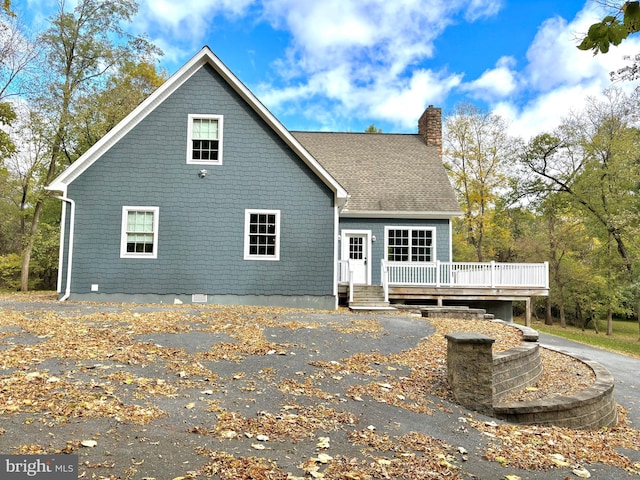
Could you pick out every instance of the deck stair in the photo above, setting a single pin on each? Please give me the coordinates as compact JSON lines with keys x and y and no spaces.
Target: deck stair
{"x":369,"y":297}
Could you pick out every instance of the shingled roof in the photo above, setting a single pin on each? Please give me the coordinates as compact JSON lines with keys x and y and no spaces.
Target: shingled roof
{"x":385,"y":174}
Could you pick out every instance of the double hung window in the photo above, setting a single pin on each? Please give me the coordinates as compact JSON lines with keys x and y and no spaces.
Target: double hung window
{"x":139,"y":236}
{"x":262,"y":235}
{"x":205,"y":139}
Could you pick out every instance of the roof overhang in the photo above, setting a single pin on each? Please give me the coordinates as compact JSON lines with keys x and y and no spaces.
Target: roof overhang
{"x":398,"y":214}
{"x":205,"y":56}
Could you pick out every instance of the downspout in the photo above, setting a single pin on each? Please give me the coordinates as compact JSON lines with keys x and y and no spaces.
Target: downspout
{"x":72,"y":219}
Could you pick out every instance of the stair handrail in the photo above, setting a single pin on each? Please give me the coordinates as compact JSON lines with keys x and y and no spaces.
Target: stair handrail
{"x":350,"y":274}
{"x":384,"y":274}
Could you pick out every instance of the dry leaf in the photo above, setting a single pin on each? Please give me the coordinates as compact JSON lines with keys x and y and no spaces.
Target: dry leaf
{"x":582,"y":472}
{"x":324,"y":458}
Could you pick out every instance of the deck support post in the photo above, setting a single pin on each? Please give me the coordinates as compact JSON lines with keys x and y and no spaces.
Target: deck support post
{"x":527,"y":311}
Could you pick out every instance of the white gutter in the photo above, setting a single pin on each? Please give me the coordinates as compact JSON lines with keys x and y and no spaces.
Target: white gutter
{"x":72,"y":220}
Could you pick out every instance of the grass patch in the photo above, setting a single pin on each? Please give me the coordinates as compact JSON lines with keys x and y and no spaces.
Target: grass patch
{"x":624,"y":339}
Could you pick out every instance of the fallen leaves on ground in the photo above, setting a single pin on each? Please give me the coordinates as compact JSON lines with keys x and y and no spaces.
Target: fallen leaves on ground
{"x":534,"y":447}
{"x":60,"y":366}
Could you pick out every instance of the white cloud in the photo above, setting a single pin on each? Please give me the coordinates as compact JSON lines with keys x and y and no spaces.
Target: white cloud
{"x":558,"y":77}
{"x":184,"y":22}
{"x":497,"y":83}
{"x":544,"y":112}
{"x":356,"y":53}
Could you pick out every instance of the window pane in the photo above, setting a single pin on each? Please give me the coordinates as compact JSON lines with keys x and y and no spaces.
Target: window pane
{"x":140,"y":233}
{"x":205,"y":128}
{"x":204,"y":139}
{"x":262,"y":231}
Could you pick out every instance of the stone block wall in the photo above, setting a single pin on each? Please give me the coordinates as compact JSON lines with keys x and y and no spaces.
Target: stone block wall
{"x":515,"y":369}
{"x":591,"y":408}
{"x":479,"y":381}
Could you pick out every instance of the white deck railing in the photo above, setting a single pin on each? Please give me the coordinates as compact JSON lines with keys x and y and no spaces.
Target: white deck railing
{"x":468,"y":274}
{"x":458,"y":274}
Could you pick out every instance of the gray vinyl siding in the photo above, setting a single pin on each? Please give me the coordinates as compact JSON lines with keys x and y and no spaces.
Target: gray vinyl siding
{"x":201,"y":220}
{"x":377,"y":228}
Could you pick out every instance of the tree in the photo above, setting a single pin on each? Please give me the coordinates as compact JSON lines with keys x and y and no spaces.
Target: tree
{"x":17,"y":53}
{"x":372,"y":129}
{"x":612,"y":29}
{"x":477,"y":150}
{"x":593,"y":160}
{"x":99,"y":112}
{"x":623,"y":21}
{"x":81,"y":48}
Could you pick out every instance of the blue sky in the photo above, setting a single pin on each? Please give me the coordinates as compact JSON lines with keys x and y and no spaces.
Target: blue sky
{"x":343,"y":64}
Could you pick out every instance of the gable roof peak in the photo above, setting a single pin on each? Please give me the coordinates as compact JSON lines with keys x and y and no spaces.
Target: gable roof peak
{"x":204,"y":56}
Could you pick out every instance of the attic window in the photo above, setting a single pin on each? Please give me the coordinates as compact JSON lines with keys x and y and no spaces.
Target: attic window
{"x":204,"y":145}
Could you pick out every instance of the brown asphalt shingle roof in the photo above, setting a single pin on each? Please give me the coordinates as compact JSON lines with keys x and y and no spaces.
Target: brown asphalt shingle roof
{"x":384,"y":172}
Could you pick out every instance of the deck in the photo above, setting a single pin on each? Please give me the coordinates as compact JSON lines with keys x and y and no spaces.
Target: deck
{"x":463,"y":281}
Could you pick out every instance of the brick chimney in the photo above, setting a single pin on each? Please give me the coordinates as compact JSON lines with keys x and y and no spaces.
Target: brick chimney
{"x":430,"y":127}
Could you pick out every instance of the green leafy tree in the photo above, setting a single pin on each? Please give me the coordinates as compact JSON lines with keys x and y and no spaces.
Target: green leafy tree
{"x":99,"y":112}
{"x":477,"y":151}
{"x":612,"y":29}
{"x":373,"y":129}
{"x":593,"y":160}
{"x":82,"y":48}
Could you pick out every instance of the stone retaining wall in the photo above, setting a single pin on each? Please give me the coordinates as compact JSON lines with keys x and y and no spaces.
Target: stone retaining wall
{"x":479,"y":381}
{"x":515,"y":369}
{"x":591,"y":408}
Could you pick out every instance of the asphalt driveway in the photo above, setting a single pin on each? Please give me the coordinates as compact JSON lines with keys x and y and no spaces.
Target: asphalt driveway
{"x":202,"y":392}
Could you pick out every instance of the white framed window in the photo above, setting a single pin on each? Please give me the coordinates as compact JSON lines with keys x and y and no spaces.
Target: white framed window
{"x":410,"y":244}
{"x":204,"y":142}
{"x":139,"y":237}
{"x":262,"y":235}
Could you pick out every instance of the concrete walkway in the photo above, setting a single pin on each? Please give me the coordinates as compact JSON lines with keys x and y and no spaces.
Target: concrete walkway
{"x":625,"y":371}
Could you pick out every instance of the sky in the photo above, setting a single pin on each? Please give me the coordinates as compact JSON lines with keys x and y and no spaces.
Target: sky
{"x":342,"y":65}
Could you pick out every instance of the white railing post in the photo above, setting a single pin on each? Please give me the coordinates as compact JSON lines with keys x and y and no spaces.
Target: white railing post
{"x":437,"y":273}
{"x":384,"y":275}
{"x":493,"y":274}
{"x":350,"y":273}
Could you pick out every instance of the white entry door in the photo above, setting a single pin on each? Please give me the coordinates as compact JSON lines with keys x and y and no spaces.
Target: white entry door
{"x":355,"y":248}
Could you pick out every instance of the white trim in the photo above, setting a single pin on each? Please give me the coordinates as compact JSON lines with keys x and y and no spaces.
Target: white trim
{"x":344,"y":254}
{"x":336,"y":253}
{"x":434,"y":251}
{"x":205,"y":56}
{"x":247,"y":221}
{"x":123,"y":232}
{"x":197,"y":116}
{"x":399,"y":214}
{"x":450,"y":242}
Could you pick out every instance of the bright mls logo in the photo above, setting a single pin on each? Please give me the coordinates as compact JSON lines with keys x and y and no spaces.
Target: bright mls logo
{"x":39,"y":467}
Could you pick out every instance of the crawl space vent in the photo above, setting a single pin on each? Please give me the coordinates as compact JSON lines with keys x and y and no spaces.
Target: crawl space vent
{"x":199,"y":298}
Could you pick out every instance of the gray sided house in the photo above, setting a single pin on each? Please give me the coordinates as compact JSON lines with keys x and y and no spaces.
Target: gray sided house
{"x":202,"y":195}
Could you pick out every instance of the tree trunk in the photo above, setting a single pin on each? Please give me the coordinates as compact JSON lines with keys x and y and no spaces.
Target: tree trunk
{"x":609,"y":321}
{"x":548,"y":318}
{"x":28,"y":248}
{"x":563,"y":319}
